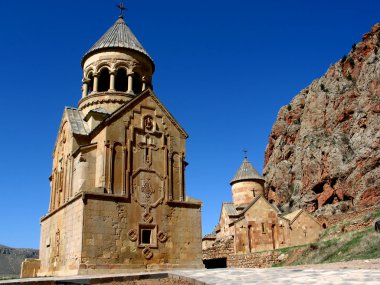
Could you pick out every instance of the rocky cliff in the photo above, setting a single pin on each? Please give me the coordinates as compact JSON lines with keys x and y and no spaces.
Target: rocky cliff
{"x":324,"y":149}
{"x":11,"y":259}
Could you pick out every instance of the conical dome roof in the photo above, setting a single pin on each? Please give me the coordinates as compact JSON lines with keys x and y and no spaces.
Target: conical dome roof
{"x":118,"y":36}
{"x":246,"y":172}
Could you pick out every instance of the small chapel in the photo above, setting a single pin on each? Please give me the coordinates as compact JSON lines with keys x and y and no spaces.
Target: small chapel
{"x":118,"y":199}
{"x":250,"y":223}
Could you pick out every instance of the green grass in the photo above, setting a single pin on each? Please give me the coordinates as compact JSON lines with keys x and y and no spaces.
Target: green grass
{"x":350,"y":246}
{"x":7,"y":277}
{"x":335,"y":244}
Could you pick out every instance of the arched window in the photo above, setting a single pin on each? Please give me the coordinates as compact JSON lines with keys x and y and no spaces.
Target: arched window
{"x":121,"y":80}
{"x":137,"y":83}
{"x":90,"y":83}
{"x":104,"y":80}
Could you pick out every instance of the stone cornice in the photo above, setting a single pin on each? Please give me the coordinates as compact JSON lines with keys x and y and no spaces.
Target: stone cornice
{"x":104,"y":97}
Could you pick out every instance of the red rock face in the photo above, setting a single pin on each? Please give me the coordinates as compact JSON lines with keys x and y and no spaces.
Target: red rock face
{"x":323,"y":153}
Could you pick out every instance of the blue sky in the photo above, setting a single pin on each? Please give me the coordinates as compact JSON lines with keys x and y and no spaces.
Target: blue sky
{"x":223,"y":69}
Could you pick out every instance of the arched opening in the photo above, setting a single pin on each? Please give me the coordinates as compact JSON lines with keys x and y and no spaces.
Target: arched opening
{"x":121,"y":80}
{"x":104,"y":80}
{"x":137,"y":83}
{"x":90,"y":83}
{"x":215,"y":263}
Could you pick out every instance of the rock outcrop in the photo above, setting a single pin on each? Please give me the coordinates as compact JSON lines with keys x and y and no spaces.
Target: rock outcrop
{"x":324,"y":149}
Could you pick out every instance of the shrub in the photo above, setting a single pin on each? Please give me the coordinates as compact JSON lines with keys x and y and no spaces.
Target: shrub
{"x":323,"y":88}
{"x":349,"y":76}
{"x":313,"y":246}
{"x":353,"y":46}
{"x":367,"y":218}
{"x":344,"y":58}
{"x":289,"y":107}
{"x":351,"y":61}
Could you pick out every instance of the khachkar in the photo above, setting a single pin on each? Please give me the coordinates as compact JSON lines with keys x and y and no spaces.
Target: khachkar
{"x":118,"y":200}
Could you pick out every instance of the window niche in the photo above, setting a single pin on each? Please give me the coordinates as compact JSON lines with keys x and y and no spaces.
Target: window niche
{"x":121,"y":81}
{"x":90,"y":83}
{"x":147,"y":235}
{"x":137,"y":83}
{"x":104,"y":80}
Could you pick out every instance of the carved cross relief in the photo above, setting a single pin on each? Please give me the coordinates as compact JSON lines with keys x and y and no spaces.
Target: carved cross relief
{"x":148,"y":146}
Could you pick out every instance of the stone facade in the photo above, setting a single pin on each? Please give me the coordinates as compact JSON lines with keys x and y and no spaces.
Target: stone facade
{"x":252,"y":224}
{"x":118,"y":201}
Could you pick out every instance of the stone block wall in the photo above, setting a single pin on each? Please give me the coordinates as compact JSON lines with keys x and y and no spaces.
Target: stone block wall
{"x":61,"y":240}
{"x":253,"y":260}
{"x":225,"y":249}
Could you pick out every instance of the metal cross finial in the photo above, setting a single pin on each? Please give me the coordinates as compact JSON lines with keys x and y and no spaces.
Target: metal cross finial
{"x":245,"y":153}
{"x":122,"y":8}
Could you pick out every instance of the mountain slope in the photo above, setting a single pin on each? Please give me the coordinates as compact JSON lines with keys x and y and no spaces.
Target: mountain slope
{"x":11,"y":259}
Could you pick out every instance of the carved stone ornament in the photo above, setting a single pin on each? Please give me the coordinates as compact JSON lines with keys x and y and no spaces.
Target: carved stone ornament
{"x":147,"y":218}
{"x":147,"y":188}
{"x":132,"y":235}
{"x":162,"y":237}
{"x":148,"y":123}
{"x":148,"y":254}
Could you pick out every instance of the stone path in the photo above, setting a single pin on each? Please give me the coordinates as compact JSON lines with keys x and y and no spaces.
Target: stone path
{"x":230,"y":276}
{"x":283,"y":276}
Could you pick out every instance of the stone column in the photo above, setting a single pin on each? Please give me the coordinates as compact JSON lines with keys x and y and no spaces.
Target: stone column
{"x":112,"y":80}
{"x":181,"y":176}
{"x":124,"y":170}
{"x":105,"y":161}
{"x":51,"y":207}
{"x":96,"y":82}
{"x":84,"y":88}
{"x":130,"y":84}
{"x":170,"y":175}
{"x":110,"y":168}
{"x":143,"y":83}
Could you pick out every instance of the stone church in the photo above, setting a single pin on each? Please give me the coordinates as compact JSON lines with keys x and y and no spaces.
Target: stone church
{"x":118,"y":199}
{"x":253,"y":223}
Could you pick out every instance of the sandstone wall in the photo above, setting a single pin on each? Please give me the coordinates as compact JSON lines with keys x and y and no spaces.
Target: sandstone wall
{"x":61,"y":240}
{"x":113,"y":232}
{"x":304,"y":230}
{"x":254,"y":260}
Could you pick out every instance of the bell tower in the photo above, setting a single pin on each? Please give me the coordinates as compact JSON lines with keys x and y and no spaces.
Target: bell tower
{"x":115,"y":69}
{"x":246,"y":184}
{"x":118,"y":199}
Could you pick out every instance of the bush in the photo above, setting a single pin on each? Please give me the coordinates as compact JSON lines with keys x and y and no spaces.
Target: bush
{"x":353,"y":46}
{"x":344,"y":58}
{"x":323,"y":88}
{"x":349,"y":76}
{"x":289,"y":107}
{"x":313,"y":246}
{"x":351,"y":61}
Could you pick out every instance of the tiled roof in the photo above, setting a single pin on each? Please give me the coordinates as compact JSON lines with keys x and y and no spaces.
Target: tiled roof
{"x":246,"y":172}
{"x":78,"y":125}
{"x":118,"y":36}
{"x":100,"y":110}
{"x":210,"y":236}
{"x":230,"y":209}
{"x":291,"y":216}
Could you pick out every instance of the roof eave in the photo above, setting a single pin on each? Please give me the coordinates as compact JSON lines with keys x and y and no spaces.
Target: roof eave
{"x":100,"y":50}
